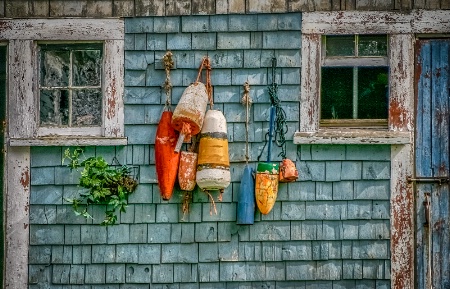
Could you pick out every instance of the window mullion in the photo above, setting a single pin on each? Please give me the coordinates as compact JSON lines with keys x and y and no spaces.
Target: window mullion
{"x":355,"y":92}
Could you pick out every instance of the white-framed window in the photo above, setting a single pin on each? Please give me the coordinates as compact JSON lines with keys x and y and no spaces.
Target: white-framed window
{"x":66,"y":81}
{"x":354,"y":80}
{"x":357,"y":78}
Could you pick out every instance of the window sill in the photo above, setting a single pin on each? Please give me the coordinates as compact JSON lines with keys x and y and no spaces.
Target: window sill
{"x":353,"y":136}
{"x":68,"y":141}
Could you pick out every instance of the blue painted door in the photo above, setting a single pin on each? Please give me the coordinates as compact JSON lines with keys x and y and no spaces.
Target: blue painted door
{"x":432,"y":164}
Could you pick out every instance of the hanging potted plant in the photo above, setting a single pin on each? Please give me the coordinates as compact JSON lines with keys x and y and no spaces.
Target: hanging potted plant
{"x":106,"y":185}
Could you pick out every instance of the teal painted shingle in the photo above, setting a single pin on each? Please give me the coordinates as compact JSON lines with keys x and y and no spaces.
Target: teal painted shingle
{"x":138,"y":25}
{"x":185,"y":273}
{"x":179,"y":253}
{"x":149,"y":254}
{"x":127,"y":253}
{"x":103,"y":253}
{"x":242,"y":23}
{"x":162,"y":273}
{"x":95,"y":274}
{"x":138,"y":273}
{"x":204,"y":41}
{"x":195,"y":23}
{"x":46,"y":234}
{"x":167,"y":24}
{"x":46,"y":195}
{"x":156,"y":41}
{"x":115,"y":273}
{"x":282,"y":40}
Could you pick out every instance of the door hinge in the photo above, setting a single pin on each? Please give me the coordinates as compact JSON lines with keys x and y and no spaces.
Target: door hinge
{"x":439,"y":180}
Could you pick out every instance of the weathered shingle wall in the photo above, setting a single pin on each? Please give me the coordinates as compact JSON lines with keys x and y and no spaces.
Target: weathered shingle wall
{"x":330,"y":229}
{"x":127,"y":8}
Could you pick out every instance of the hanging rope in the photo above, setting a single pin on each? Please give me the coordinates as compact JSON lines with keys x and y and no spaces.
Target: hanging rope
{"x":168,"y":65}
{"x":280,"y":125}
{"x":247,"y":101}
{"x":206,"y":64}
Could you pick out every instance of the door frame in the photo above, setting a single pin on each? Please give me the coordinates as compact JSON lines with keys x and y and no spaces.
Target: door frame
{"x":3,"y":103}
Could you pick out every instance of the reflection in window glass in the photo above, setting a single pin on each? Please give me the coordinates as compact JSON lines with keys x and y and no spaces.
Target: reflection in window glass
{"x":373,"y":94}
{"x":86,"y":68}
{"x":372,"y":45}
{"x":86,"y":106}
{"x":70,"y":85}
{"x":340,"y":45}
{"x":54,"y":107}
{"x":337,"y":92}
{"x":55,"y":68}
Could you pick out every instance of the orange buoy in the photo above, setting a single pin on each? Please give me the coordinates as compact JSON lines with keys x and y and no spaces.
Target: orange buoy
{"x":213,"y":166}
{"x":187,"y":170}
{"x":266,"y":186}
{"x":166,"y":158}
{"x":288,"y":171}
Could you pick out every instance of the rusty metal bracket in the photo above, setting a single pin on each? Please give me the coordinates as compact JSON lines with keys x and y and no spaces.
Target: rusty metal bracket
{"x":439,"y":180}
{"x":426,"y":204}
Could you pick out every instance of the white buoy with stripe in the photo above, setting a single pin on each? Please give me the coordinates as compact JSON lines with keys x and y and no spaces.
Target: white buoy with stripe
{"x":213,"y":166}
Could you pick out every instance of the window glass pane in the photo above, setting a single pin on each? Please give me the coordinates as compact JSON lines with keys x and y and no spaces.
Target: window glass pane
{"x":55,"y":68}
{"x":336,"y":92}
{"x":86,"y":68}
{"x":340,"y":45}
{"x":373,"y":96}
{"x":372,"y":45}
{"x":54,"y":107}
{"x":87,"y":107}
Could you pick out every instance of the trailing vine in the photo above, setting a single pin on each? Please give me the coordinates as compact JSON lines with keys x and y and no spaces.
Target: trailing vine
{"x":107,"y":185}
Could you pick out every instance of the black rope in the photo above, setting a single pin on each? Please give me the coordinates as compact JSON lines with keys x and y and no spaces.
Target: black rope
{"x":280,"y":125}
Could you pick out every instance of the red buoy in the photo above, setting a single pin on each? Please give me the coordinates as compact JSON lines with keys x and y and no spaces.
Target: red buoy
{"x":166,"y":158}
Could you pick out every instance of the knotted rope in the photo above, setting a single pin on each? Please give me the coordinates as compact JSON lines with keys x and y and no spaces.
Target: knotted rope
{"x":168,"y":65}
{"x":247,"y":101}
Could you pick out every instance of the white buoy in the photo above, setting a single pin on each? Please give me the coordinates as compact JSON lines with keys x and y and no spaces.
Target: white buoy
{"x":213,"y":166}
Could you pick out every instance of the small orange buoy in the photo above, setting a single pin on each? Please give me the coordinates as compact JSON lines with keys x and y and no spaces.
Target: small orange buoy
{"x":266,"y":186}
{"x":187,"y":170}
{"x":288,"y":171}
{"x":166,"y":159}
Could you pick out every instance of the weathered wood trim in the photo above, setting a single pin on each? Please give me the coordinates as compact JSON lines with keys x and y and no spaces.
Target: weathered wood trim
{"x":352,"y":136}
{"x":402,"y":218}
{"x":22,"y":109}
{"x":376,"y":22}
{"x":113,"y":88}
{"x":62,"y":29}
{"x":427,"y":21}
{"x":354,"y":22}
{"x":401,"y":111}
{"x":68,"y":141}
{"x":310,"y":83}
{"x":401,"y":82}
{"x":17,"y":217}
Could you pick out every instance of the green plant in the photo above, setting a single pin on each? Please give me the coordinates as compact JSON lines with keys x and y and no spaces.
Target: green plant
{"x":106,"y":185}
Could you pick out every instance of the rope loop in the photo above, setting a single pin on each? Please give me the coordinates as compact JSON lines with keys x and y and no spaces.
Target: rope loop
{"x":206,"y":64}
